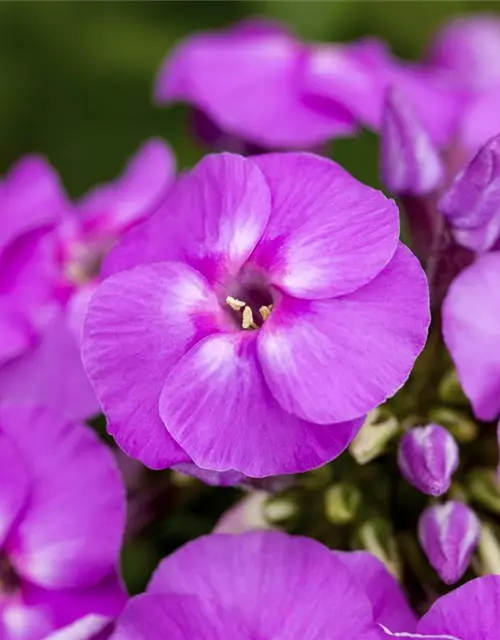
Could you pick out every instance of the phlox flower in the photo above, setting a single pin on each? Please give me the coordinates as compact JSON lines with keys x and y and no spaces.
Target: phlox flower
{"x":250,"y":323}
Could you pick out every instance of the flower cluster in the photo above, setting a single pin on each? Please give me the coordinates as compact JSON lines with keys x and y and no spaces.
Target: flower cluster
{"x":242,"y":324}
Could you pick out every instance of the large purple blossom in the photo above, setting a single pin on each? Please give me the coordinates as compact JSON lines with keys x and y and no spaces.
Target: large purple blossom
{"x":50,"y":251}
{"x":471,"y":612}
{"x":265,"y":585}
{"x":255,"y":318}
{"x":62,"y":516}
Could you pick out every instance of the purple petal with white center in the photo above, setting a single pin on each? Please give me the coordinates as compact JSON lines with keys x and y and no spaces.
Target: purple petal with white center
{"x":332,"y":360}
{"x":469,"y":48}
{"x":410,"y":161}
{"x":427,"y":457}
{"x":328,"y":234}
{"x":279,"y":586}
{"x":176,"y":617}
{"x":31,"y":197}
{"x":472,"y":202}
{"x":472,"y":333}
{"x":139,"y":324}
{"x":258,"y":94}
{"x":212,"y":218}
{"x":390,"y":607}
{"x":76,"y":491}
{"x":449,"y":533}
{"x":218,"y":407}
{"x":471,"y":612}
{"x":15,"y":484}
{"x":113,"y":207}
{"x":51,"y":374}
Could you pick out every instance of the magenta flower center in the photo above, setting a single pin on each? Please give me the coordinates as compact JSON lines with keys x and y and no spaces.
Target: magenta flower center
{"x":9,"y":581}
{"x":251,"y":307}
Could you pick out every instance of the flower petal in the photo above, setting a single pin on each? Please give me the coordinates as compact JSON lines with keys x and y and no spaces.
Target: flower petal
{"x":77,"y":490}
{"x":389,"y":604}
{"x":217,"y":406}
{"x":471,"y":612}
{"x":279,"y":586}
{"x":91,"y":627}
{"x":332,"y":360}
{"x":139,"y":324}
{"x":176,"y":617}
{"x":112,"y":207}
{"x":212,"y":218}
{"x":51,"y":374}
{"x":328,"y":234}
{"x":471,"y":332}
{"x":15,"y":484}
{"x":257,"y":95}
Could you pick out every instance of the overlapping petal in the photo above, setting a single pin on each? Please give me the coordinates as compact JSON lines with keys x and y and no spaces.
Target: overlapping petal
{"x":217,"y":406}
{"x":139,"y":324}
{"x":333,"y":360}
{"x":212,"y":218}
{"x":328,"y":234}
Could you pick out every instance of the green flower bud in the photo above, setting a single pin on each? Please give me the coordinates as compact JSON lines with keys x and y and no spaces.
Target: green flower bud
{"x":379,"y":428}
{"x":484,"y":489}
{"x":450,"y":390}
{"x":459,"y":425}
{"x":489,"y":550}
{"x":341,"y":503}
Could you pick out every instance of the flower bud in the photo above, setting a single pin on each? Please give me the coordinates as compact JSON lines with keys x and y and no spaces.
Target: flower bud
{"x":341,"y":503}
{"x":489,"y":551}
{"x":410,"y":162}
{"x":428,"y":457}
{"x":379,"y":428}
{"x":448,"y":534}
{"x":472,"y":203}
{"x":246,"y":515}
{"x":375,"y":535}
{"x":463,"y":429}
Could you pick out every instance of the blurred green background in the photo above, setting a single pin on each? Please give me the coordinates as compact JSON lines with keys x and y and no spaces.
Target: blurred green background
{"x":77,"y":77}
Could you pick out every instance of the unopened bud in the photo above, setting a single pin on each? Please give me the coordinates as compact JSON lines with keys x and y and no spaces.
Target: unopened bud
{"x":341,"y":503}
{"x":246,"y":515}
{"x":410,"y":162}
{"x":448,"y":534}
{"x":450,"y":389}
{"x":376,"y":537}
{"x":489,"y":551}
{"x":279,"y":510}
{"x":428,"y":457}
{"x":379,"y":428}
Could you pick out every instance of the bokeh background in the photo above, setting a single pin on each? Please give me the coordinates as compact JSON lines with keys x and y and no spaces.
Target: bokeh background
{"x":76,"y":81}
{"x":76,"y":77}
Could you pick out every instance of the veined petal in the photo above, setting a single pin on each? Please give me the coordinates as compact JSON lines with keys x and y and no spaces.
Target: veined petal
{"x":217,"y":406}
{"x":332,"y":360}
{"x":328,"y":234}
{"x":279,"y":586}
{"x":212,"y":218}
{"x":139,"y":324}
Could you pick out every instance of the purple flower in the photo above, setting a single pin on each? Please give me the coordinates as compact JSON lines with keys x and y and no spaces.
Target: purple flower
{"x":472,"y":334}
{"x":255,"y":318}
{"x":60,"y":493}
{"x":469,"y":49}
{"x":248,"y":81}
{"x":50,"y":252}
{"x":260,"y":585}
{"x":472,"y":202}
{"x":471,"y":612}
{"x":448,"y":534}
{"x":427,"y":457}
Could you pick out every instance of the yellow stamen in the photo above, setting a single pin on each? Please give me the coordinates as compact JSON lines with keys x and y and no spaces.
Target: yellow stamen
{"x":247,"y":319}
{"x":234,"y":303}
{"x":265,"y":312}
